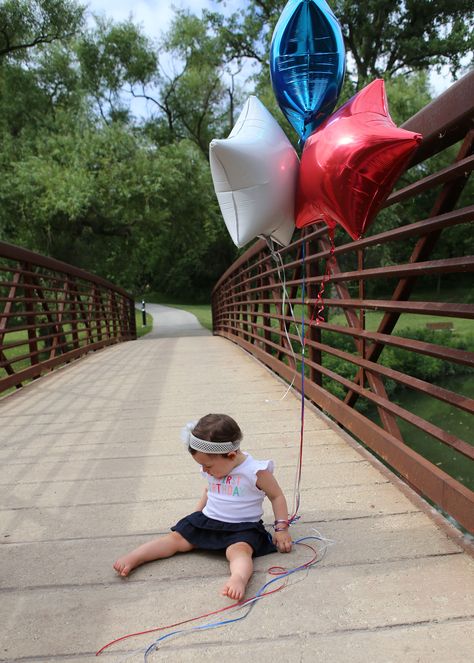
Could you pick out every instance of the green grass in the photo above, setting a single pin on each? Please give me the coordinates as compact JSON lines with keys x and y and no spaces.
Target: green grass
{"x":461,"y":326}
{"x":14,"y":337}
{"x":141,"y":330}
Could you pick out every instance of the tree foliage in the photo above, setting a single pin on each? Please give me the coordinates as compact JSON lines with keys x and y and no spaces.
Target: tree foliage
{"x":382,"y":37}
{"x":114,"y":58}
{"x":104,"y":134}
{"x":86,"y":181}
{"x":394,"y":37}
{"x":29,"y":23}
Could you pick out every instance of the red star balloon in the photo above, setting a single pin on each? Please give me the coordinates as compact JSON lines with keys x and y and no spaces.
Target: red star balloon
{"x":351,"y":163}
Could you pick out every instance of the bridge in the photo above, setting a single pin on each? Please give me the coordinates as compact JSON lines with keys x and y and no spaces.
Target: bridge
{"x":92,"y":464}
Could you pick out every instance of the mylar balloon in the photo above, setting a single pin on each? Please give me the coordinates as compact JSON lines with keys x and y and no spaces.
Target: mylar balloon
{"x":307,"y":62}
{"x":351,"y":163}
{"x":255,"y":171}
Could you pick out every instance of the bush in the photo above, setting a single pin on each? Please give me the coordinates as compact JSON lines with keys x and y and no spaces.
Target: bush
{"x":423,"y":366}
{"x":414,"y":364}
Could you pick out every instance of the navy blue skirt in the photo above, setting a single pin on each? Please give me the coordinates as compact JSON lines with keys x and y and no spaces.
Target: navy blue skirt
{"x":209,"y":534}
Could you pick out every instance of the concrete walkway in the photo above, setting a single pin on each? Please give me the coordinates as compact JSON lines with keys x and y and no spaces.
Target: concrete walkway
{"x":168,"y":321}
{"x":92,"y":465}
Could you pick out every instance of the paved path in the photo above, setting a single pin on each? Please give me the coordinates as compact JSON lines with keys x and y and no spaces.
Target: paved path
{"x":92,"y":465}
{"x":168,"y":321}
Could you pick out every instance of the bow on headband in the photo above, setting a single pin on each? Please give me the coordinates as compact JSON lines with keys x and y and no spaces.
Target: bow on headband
{"x":205,"y":446}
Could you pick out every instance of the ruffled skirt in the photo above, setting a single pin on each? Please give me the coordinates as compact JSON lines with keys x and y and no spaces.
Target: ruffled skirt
{"x":209,"y":534}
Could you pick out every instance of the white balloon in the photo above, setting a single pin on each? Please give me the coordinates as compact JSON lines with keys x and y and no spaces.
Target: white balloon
{"x":255,"y":171}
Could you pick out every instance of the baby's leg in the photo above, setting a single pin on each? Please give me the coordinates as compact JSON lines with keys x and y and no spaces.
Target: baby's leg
{"x":241,"y":569}
{"x":165,"y":546}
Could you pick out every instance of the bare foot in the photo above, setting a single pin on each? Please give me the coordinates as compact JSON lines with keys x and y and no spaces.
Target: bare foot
{"x":234,"y":588}
{"x":125,"y":564}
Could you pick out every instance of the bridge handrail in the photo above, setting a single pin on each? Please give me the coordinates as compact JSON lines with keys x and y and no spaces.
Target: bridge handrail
{"x":52,"y":313}
{"x":250,"y":309}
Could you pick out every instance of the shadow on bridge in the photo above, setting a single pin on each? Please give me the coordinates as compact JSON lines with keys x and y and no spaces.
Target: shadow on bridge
{"x":92,"y":465}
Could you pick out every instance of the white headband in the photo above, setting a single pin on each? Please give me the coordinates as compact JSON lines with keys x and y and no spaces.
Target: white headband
{"x":205,"y":446}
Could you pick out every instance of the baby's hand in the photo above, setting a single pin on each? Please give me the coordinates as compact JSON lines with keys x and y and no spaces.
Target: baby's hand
{"x":282,"y":540}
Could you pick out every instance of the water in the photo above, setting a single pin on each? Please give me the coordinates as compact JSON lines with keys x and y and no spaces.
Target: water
{"x":451,"y":419}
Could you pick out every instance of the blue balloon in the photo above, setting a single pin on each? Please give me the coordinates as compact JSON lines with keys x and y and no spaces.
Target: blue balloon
{"x":307,"y":63}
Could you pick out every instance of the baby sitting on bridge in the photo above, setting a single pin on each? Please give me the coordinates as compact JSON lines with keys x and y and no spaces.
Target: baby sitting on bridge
{"x":228,"y":515}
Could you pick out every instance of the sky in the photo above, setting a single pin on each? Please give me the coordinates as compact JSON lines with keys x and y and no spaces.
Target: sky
{"x":155,"y":17}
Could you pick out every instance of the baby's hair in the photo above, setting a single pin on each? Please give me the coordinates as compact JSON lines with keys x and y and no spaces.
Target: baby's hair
{"x":217,"y":428}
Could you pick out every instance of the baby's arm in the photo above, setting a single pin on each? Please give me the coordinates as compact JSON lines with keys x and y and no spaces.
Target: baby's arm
{"x":202,"y":502}
{"x":270,"y":486}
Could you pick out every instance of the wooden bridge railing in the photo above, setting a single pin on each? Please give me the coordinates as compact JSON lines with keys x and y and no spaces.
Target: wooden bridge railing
{"x":347,"y":374}
{"x":52,"y":313}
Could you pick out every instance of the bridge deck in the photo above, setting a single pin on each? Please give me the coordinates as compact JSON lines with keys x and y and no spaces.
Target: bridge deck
{"x":92,"y":465}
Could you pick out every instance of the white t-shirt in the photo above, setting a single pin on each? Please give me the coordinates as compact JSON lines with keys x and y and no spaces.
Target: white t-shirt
{"x":236,"y":498}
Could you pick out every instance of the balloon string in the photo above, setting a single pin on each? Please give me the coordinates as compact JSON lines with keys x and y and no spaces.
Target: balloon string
{"x":238,"y":604}
{"x":297,"y":486}
{"x":279,"y":572}
{"x":317,"y":316}
{"x":286,"y":300}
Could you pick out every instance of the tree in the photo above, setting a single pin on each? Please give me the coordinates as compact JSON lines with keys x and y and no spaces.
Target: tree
{"x":188,"y":248}
{"x":193,"y":97}
{"x":26,"y":24}
{"x":114,"y":60}
{"x":382,"y":37}
{"x":84,"y":181}
{"x":391,"y":37}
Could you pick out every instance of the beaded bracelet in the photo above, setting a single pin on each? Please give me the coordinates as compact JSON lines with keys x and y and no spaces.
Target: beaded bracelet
{"x":281,"y":522}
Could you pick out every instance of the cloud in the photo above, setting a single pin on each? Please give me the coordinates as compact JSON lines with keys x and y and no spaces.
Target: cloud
{"x":154,"y":15}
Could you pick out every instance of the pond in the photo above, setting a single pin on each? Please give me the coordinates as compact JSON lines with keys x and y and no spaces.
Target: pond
{"x":453,"y":420}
